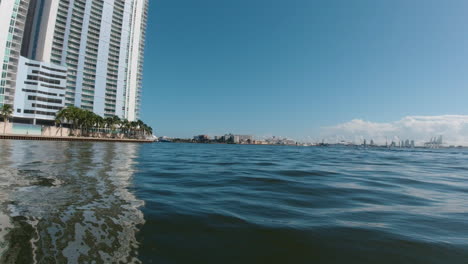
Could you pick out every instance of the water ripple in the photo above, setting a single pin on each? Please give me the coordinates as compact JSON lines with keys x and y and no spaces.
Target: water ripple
{"x":191,"y":203}
{"x":263,"y":204}
{"x":68,"y":203}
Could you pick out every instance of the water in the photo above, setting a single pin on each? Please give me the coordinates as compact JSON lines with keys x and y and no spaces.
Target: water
{"x":188,"y":203}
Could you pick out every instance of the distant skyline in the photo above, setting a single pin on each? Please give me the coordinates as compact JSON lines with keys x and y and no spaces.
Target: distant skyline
{"x":297,"y":68}
{"x":453,"y":129}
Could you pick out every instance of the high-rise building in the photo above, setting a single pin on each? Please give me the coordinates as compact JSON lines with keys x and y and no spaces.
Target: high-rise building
{"x":13,"y":14}
{"x":98,"y":43}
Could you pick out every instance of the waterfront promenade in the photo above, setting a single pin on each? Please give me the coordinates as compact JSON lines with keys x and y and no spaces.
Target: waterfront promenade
{"x":14,"y":131}
{"x":70,"y":138}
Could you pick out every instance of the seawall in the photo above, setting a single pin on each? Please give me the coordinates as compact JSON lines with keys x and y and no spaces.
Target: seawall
{"x":69,"y":138}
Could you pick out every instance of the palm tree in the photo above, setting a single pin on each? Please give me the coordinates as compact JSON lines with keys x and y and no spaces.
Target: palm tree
{"x":5,"y":112}
{"x":61,"y":117}
{"x":141,"y":125}
{"x":73,"y":117}
{"x":125,"y":126}
{"x":117,"y":123}
{"x":100,"y":123}
{"x":145,"y":130}
{"x":87,"y":121}
{"x":133,"y":127}
{"x":109,"y":122}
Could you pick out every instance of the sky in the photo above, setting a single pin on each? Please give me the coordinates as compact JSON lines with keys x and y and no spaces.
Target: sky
{"x":305,"y":69}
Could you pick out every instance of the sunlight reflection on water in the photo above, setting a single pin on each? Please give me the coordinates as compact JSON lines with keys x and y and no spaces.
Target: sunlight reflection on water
{"x":69,"y":201}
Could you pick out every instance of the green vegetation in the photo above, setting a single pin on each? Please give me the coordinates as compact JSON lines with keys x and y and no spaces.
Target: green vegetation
{"x":92,"y":125}
{"x":5,"y":112}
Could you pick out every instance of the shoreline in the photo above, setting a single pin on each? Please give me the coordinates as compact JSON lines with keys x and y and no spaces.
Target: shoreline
{"x":319,"y":145}
{"x":83,"y":139}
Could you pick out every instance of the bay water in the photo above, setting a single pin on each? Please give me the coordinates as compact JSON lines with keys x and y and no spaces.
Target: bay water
{"x":82,"y":202}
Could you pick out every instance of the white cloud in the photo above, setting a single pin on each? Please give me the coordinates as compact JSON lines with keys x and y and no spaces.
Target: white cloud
{"x":454,"y":129}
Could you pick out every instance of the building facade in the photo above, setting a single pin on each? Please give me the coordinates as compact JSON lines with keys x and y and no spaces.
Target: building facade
{"x":13,"y":14}
{"x":40,"y":90}
{"x":100,"y":44}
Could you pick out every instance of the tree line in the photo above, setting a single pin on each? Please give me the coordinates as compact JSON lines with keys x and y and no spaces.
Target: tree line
{"x":89,"y":123}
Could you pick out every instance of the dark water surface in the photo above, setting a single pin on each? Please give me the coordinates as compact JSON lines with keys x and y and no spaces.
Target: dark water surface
{"x":68,"y":202}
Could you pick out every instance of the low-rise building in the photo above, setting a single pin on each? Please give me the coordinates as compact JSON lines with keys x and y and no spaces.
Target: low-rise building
{"x":201,"y":138}
{"x":40,"y":90}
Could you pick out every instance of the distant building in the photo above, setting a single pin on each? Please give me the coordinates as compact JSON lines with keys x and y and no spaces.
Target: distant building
{"x":435,"y":142}
{"x":228,"y":138}
{"x":236,"y":139}
{"x":280,"y":141}
{"x":244,"y":138}
{"x":201,"y":138}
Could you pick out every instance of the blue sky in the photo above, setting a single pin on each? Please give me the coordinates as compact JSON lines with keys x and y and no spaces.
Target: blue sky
{"x":289,"y":68}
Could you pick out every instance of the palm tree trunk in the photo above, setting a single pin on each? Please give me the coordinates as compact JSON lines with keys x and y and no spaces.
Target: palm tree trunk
{"x":5,"y":120}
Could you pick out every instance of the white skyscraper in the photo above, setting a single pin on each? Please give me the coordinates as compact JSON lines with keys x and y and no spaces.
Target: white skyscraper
{"x":13,"y":16}
{"x":98,"y":43}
